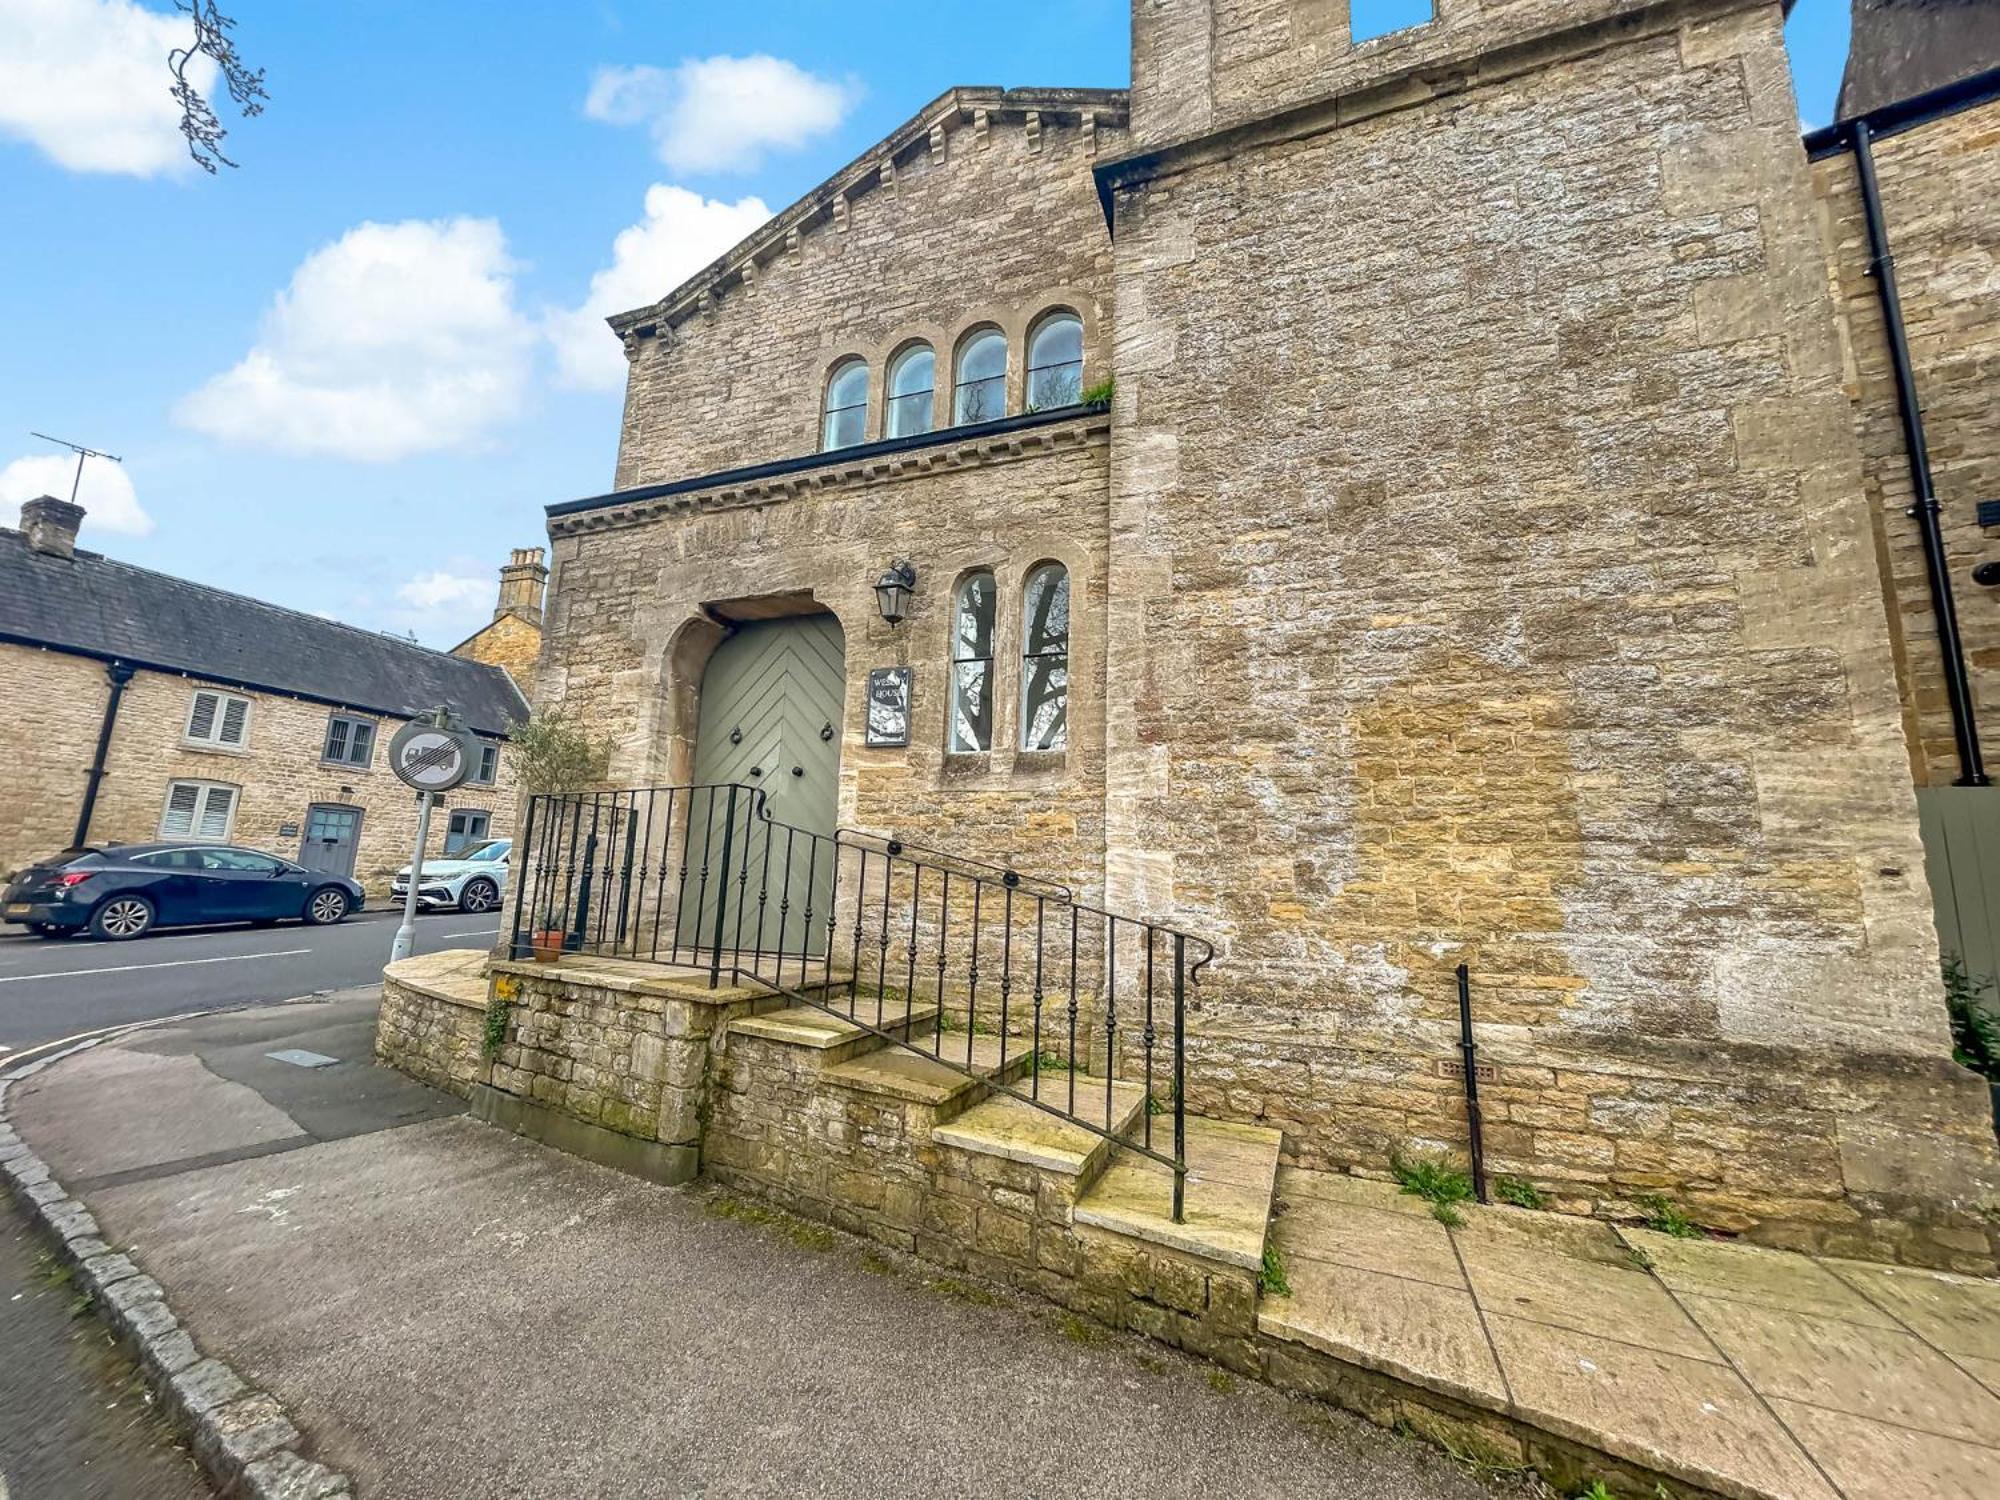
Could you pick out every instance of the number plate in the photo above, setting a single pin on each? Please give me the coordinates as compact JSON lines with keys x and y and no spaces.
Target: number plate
{"x":17,"y":908}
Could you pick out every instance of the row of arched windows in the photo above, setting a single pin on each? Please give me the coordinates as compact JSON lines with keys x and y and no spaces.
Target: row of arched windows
{"x":1044,"y":661}
{"x":978,"y":382}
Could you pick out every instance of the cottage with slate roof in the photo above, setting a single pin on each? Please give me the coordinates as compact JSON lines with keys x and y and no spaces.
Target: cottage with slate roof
{"x":142,"y":706}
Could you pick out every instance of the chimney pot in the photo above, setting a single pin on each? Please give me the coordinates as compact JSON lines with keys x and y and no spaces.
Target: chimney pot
{"x":51,"y":525}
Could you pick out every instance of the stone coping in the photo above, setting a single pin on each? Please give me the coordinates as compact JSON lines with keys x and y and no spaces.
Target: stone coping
{"x":455,"y":976}
{"x":1752,"y":1373}
{"x":631,"y":977}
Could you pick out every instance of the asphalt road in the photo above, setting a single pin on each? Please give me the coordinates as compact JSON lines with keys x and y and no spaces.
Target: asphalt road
{"x":51,"y":989}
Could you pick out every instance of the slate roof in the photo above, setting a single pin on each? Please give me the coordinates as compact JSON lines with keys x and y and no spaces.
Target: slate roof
{"x":1903,"y":48}
{"x":94,"y":606}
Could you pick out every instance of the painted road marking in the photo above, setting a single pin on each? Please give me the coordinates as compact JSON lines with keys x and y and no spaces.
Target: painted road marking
{"x":178,"y":963}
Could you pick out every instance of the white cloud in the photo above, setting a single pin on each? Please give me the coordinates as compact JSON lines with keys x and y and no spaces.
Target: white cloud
{"x":106,"y":494}
{"x":442,"y":606}
{"x":440,"y":590}
{"x":87,"y":82}
{"x":395,"y":339}
{"x":720,"y":114}
{"x":681,"y":233}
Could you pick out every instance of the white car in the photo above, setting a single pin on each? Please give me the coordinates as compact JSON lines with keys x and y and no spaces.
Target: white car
{"x":475,"y":881}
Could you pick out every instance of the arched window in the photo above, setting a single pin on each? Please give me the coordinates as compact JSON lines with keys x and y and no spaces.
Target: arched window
{"x":1055,"y":362}
{"x":971,"y":725}
{"x":980,"y":391}
{"x":846,"y":406}
{"x":912,"y":380}
{"x":1045,"y":659}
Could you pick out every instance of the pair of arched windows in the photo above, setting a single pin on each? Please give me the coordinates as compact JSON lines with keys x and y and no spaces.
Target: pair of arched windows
{"x":1044,"y":661}
{"x":979,"y":383}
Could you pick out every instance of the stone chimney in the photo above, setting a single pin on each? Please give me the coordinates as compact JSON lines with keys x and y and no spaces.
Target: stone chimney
{"x":51,"y":525}
{"x":521,"y":583}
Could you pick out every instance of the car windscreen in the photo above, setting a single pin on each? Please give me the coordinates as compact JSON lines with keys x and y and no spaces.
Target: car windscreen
{"x":491,"y":850}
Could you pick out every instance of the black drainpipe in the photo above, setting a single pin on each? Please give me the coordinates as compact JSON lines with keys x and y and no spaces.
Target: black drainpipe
{"x":119,"y":674}
{"x":1971,"y":766}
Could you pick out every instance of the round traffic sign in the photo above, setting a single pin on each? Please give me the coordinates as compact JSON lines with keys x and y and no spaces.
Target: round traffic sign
{"x":429,"y":758}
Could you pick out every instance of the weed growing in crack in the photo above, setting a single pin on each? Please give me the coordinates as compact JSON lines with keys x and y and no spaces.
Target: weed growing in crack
{"x":1520,"y":1193}
{"x":1440,"y":1183}
{"x":1664,"y":1216}
{"x":1271,"y":1275}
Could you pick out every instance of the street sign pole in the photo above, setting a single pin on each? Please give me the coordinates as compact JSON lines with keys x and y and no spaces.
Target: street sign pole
{"x":406,"y":935}
{"x":433,"y":756}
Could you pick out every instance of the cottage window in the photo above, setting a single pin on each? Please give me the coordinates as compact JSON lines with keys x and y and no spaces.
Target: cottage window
{"x":1055,"y":362}
{"x":912,"y":387}
{"x":198,"y":809}
{"x":218,"y":719}
{"x":1045,"y":659}
{"x":971,"y":722}
{"x":487,"y":767}
{"x":980,"y":389}
{"x":846,"y":406}
{"x":349,"y":741}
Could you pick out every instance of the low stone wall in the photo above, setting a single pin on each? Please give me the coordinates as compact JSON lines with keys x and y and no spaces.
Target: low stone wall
{"x":433,"y":1019}
{"x":1882,"y":1158}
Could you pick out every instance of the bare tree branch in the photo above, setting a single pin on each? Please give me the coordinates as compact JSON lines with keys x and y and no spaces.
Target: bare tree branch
{"x":199,"y":123}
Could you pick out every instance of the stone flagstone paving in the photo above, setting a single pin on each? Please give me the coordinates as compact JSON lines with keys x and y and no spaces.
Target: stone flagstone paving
{"x":1750,"y":1372}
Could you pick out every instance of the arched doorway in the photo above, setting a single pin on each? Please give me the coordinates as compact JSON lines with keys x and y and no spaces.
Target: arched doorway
{"x":772,"y":700}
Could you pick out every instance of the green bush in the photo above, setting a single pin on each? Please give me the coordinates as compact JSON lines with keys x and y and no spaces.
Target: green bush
{"x":1975,"y":1034}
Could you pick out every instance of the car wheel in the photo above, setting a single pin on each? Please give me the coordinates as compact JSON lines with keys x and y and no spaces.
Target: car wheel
{"x":479,"y":895}
{"x":122,"y":917}
{"x":326,"y":906}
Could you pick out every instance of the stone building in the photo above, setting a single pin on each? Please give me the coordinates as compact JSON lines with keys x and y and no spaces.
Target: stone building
{"x":143,"y":706}
{"x":1381,"y":504}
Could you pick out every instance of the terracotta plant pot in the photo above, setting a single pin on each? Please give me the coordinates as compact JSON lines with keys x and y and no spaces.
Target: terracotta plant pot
{"x":547,"y":944}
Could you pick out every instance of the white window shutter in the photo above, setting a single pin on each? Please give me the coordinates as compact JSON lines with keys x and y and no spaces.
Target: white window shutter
{"x":201,"y":718}
{"x":235,"y":718}
{"x":215,"y":812}
{"x":181,"y":800}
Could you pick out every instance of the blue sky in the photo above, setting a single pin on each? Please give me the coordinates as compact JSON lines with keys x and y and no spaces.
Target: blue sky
{"x":347,"y":376}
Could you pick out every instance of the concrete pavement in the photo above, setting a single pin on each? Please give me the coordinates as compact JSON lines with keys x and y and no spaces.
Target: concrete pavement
{"x":445,"y":1309}
{"x":50,"y":990}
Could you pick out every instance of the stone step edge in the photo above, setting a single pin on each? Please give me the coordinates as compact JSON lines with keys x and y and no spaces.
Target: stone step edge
{"x":846,"y":1075}
{"x":1085,"y":1172}
{"x":240,"y":1435}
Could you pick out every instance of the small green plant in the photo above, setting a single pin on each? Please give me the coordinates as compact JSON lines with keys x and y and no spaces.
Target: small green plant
{"x":1975,"y":1034}
{"x":807,"y":1236}
{"x":1101,"y":393}
{"x":1448,"y":1215}
{"x":1439,"y":1182}
{"x":1223,"y":1382}
{"x":1596,"y":1491}
{"x":494,"y":1036}
{"x":1519,"y":1193}
{"x":1271,"y":1276}
{"x":1050,"y":1062}
{"x":1664,"y":1216}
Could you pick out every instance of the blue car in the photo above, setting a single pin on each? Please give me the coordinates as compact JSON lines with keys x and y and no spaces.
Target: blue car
{"x":126,"y":890}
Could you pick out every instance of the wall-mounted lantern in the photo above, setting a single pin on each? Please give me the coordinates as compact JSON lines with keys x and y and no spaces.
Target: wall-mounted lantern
{"x":892,"y":592}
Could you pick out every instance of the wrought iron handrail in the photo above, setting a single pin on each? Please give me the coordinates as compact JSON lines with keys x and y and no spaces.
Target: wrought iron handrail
{"x":664,"y":875}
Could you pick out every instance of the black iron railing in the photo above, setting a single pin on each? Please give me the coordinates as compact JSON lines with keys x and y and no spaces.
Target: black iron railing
{"x":1068,"y":1007}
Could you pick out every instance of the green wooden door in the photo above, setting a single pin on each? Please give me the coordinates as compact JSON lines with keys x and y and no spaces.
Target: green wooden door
{"x":771,"y":704}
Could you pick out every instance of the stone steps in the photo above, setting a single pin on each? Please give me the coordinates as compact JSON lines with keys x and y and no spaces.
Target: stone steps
{"x":1017,"y":1131}
{"x":1232,"y":1177}
{"x":834,"y":1038}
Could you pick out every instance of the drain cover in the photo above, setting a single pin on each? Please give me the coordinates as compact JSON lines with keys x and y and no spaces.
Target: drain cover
{"x":299,"y":1058}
